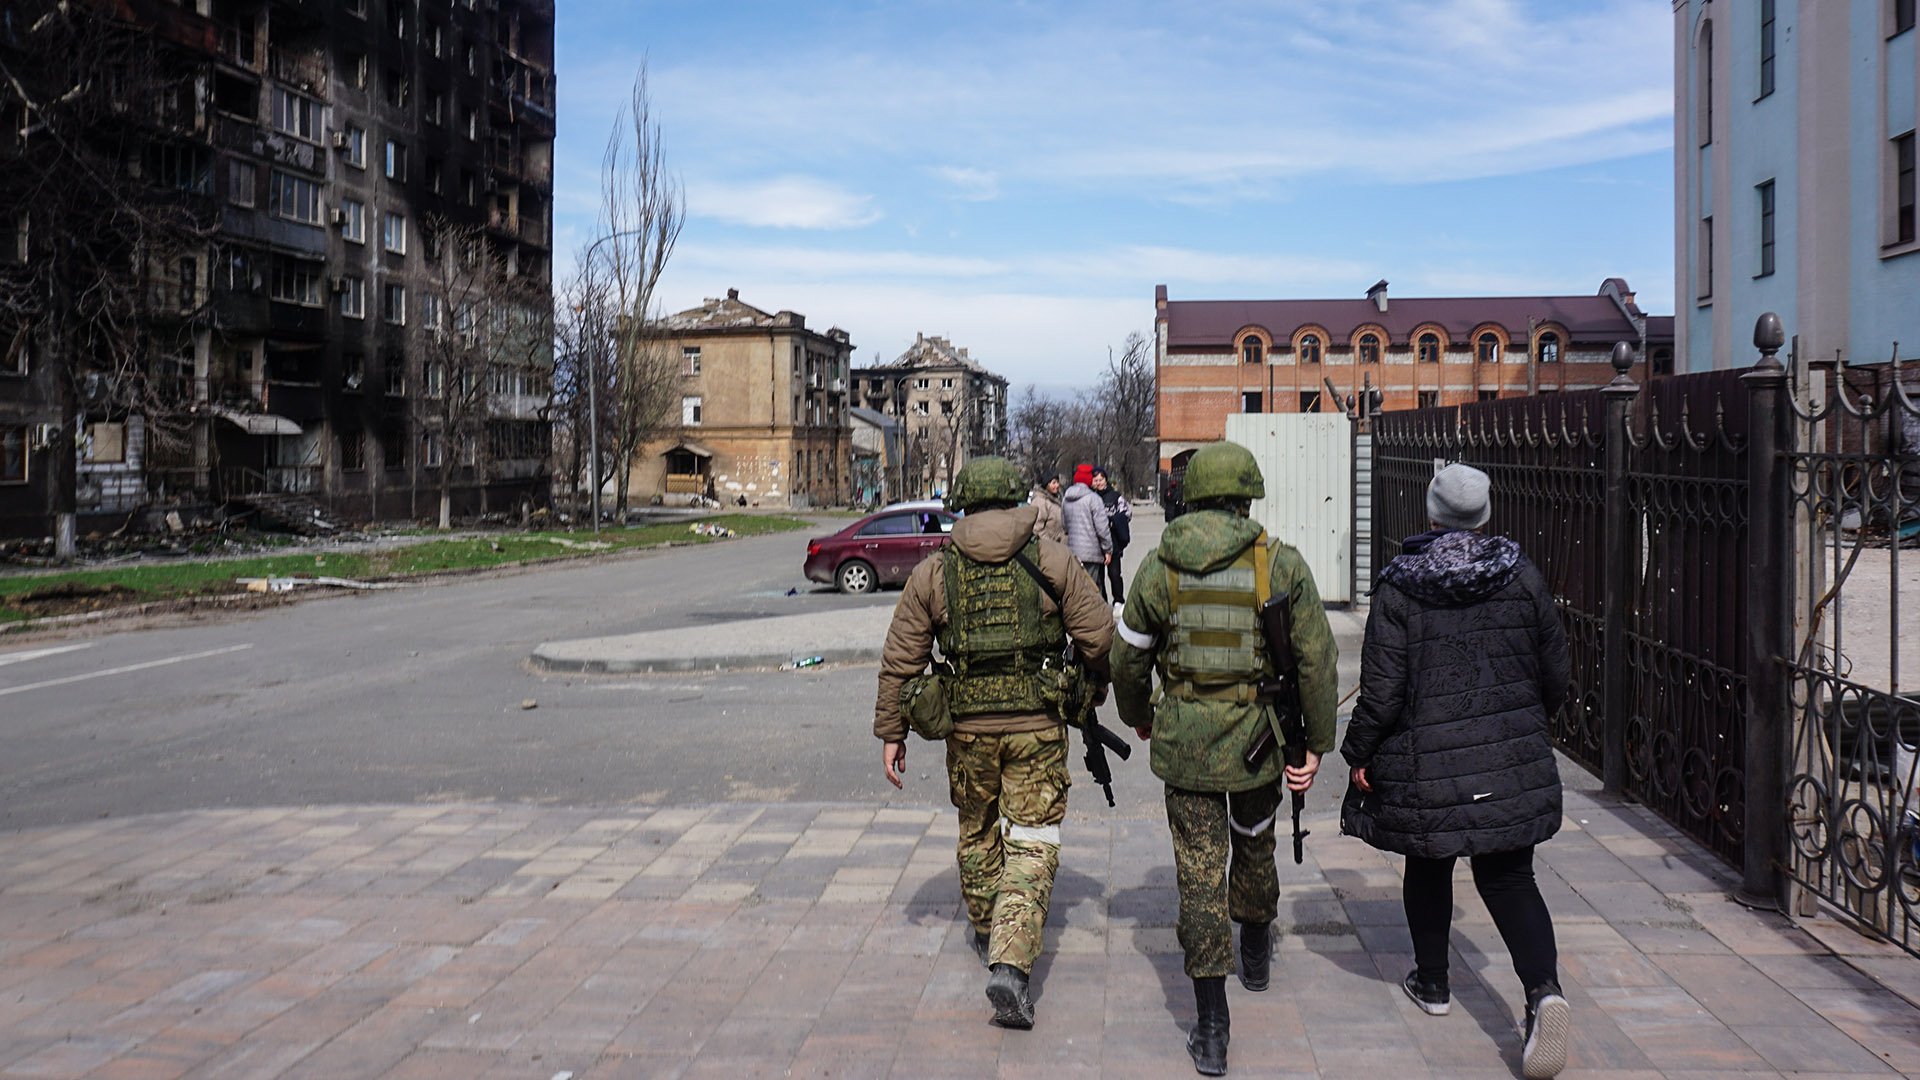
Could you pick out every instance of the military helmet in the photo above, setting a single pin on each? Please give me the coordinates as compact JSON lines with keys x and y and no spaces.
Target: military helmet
{"x":986,"y":480}
{"x":1223,"y":470}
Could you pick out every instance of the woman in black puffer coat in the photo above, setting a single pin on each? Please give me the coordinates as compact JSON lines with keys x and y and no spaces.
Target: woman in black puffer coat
{"x":1464,"y":662}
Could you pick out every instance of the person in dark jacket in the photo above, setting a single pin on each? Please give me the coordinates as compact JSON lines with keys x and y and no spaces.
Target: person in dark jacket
{"x":1119,"y":525}
{"x":1465,"y":661}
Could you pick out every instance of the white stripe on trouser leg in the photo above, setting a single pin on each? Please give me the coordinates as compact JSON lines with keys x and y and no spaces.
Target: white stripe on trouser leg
{"x":1034,"y":834}
{"x":1256,"y":828}
{"x":1133,"y":637}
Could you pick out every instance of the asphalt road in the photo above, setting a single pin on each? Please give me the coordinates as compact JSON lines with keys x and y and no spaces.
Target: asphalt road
{"x":416,"y":695}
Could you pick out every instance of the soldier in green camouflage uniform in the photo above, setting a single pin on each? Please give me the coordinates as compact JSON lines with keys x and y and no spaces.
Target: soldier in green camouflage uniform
{"x":1192,"y":615}
{"x":1001,"y":637}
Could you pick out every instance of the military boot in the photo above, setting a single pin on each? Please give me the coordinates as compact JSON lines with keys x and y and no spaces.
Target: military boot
{"x":1207,"y":1042}
{"x":981,"y":940}
{"x":1256,"y":955}
{"x":1007,"y":989}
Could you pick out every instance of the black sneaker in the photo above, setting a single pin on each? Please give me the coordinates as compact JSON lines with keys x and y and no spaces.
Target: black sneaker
{"x":980,"y":942}
{"x":1549,"y":1022}
{"x":1430,"y":995}
{"x":1007,"y":989}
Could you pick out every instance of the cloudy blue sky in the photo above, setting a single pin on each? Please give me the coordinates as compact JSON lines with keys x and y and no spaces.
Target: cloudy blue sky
{"x":1019,"y":176}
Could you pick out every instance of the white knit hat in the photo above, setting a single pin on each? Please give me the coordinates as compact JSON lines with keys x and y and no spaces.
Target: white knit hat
{"x":1457,"y":497}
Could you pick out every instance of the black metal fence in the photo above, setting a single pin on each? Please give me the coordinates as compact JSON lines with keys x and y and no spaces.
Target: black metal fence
{"x":1853,"y":486}
{"x":1700,"y":558}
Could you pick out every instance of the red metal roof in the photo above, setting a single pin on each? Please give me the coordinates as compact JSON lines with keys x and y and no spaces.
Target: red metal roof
{"x":1215,"y":323}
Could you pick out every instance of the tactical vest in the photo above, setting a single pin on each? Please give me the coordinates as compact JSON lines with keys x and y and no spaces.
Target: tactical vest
{"x":1215,"y":651}
{"x":999,"y":639}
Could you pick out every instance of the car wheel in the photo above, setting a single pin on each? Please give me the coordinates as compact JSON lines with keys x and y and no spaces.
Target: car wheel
{"x":855,"y":576}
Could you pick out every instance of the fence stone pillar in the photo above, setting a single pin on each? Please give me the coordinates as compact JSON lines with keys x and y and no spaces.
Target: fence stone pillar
{"x":1621,"y":535}
{"x":1769,"y":598}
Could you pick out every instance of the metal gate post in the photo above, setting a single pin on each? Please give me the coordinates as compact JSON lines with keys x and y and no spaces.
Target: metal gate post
{"x":1769,"y":622}
{"x":1620,"y":537}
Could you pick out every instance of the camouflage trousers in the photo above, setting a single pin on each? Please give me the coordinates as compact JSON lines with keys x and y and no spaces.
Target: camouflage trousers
{"x":1007,"y":879}
{"x":1223,"y":864}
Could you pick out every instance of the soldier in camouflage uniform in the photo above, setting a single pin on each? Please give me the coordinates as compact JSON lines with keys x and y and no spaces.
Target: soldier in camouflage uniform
{"x":1192,"y":614}
{"x":1001,"y":638}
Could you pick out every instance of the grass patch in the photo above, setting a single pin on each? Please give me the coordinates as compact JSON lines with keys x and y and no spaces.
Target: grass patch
{"x":23,"y":597}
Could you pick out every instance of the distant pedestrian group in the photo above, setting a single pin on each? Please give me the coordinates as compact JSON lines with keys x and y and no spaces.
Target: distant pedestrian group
{"x":1448,"y":752}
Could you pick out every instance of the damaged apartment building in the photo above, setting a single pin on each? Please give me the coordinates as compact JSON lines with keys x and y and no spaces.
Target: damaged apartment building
{"x":271,"y":253}
{"x":953,"y":410}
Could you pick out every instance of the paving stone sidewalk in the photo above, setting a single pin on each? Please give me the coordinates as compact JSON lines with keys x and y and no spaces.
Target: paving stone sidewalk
{"x":824,"y":941}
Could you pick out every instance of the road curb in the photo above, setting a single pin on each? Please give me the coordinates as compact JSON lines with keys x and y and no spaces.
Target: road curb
{"x":641,"y":665}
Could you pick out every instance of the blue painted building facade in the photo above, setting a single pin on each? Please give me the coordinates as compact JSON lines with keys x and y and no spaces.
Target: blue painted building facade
{"x":1794,"y":177}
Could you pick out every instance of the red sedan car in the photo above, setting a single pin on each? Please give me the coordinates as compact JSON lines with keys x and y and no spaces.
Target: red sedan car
{"x":879,"y":549}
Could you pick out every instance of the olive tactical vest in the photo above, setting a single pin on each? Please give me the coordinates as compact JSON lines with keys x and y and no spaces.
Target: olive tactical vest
{"x":999,"y":637}
{"x":1214,"y":647}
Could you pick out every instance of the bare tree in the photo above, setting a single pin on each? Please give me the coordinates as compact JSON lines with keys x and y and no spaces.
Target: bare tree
{"x":105,"y":217}
{"x":583,"y":340}
{"x":641,"y":212}
{"x":1127,"y":399}
{"x":484,"y":331}
{"x":1106,"y":426}
{"x":1038,"y":433}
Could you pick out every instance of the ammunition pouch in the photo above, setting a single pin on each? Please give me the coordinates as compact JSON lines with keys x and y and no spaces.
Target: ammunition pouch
{"x":923,"y":703}
{"x":1062,"y":687}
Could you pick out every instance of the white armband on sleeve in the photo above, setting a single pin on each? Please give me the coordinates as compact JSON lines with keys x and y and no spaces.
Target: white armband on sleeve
{"x":1133,"y":637}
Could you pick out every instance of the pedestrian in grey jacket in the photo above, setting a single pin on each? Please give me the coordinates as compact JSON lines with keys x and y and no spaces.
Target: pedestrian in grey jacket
{"x":1088,"y":534}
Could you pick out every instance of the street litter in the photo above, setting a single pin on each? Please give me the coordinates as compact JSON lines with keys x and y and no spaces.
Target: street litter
{"x":529,"y":703}
{"x":707,"y":528}
{"x":808,"y":662}
{"x":579,"y":545}
{"x":287,"y":584}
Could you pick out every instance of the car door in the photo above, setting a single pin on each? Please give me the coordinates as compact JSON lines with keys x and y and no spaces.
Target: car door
{"x":935,"y":528}
{"x":891,"y":542}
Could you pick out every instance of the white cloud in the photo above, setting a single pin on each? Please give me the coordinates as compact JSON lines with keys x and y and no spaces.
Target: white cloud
{"x":971,"y":185}
{"x":1399,"y":90}
{"x":817,"y":264}
{"x":783,"y":202}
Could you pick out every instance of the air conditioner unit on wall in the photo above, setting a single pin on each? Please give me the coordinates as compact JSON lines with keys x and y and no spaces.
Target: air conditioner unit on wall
{"x":339,"y":140}
{"x":339,"y":283}
{"x":337,"y":216}
{"x":44,"y":436}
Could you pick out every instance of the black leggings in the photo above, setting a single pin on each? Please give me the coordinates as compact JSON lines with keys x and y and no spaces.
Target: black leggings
{"x":1505,"y":881}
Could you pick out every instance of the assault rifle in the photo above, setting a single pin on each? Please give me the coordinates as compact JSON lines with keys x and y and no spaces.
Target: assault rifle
{"x":1095,"y":737}
{"x":1077,"y":706}
{"x":1282,"y":695}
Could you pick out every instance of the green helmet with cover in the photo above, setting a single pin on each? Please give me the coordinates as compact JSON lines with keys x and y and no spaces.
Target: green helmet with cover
{"x":986,"y":480}
{"x":1223,"y":470}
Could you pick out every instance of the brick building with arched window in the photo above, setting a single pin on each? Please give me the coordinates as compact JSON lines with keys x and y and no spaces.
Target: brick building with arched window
{"x":1215,"y":357}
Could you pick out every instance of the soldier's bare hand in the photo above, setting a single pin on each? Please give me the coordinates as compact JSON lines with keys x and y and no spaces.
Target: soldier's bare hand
{"x":1145,"y":733}
{"x":1359,"y":779}
{"x":893,"y":756}
{"x":1300,"y":778}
